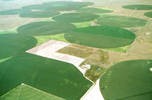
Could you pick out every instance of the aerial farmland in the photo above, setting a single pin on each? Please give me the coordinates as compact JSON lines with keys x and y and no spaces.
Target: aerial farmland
{"x":75,"y":49}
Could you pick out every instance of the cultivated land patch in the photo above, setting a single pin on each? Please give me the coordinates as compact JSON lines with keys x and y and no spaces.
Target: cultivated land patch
{"x":95,"y":60}
{"x":94,"y":10}
{"x":44,"y":38}
{"x":44,"y":28}
{"x":138,"y":7}
{"x":120,"y":21}
{"x":49,"y":49}
{"x":65,"y":5}
{"x":77,"y":50}
{"x":37,"y":13}
{"x":128,"y":80}
{"x":148,"y":14}
{"x":41,"y":74}
{"x":9,"y":12}
{"x":46,"y":10}
{"x":16,"y":66}
{"x":54,"y":50}
{"x":75,"y":17}
{"x":14,"y":44}
{"x":26,"y":92}
{"x":55,"y":77}
{"x":101,"y":36}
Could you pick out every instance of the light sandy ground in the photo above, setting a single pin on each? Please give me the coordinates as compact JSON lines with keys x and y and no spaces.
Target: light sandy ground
{"x":93,"y":93}
{"x":141,"y":48}
{"x":49,"y":50}
{"x":8,"y":22}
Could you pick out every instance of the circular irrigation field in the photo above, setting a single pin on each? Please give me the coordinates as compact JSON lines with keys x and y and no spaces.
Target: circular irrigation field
{"x":46,"y":10}
{"x":128,"y":80}
{"x":101,"y":36}
{"x":120,"y":21}
{"x":94,"y":10}
{"x":75,"y":17}
{"x":148,"y":14}
{"x":44,"y":28}
{"x":138,"y":7}
{"x":37,"y":13}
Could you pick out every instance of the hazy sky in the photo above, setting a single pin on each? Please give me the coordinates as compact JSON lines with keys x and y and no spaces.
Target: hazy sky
{"x":12,"y":4}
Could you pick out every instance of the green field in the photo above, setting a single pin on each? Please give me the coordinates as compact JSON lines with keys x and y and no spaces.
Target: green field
{"x":118,"y":28}
{"x":51,"y":76}
{"x":46,"y":10}
{"x":9,"y":12}
{"x":55,"y":77}
{"x":128,"y":80}
{"x":15,"y":44}
{"x":120,"y":21}
{"x":26,"y":92}
{"x":45,"y":28}
{"x":138,"y":7}
{"x":64,"y":5}
{"x":101,"y":36}
{"x":94,"y":10}
{"x":148,"y":14}
{"x":37,"y":13}
{"x":75,"y":17}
